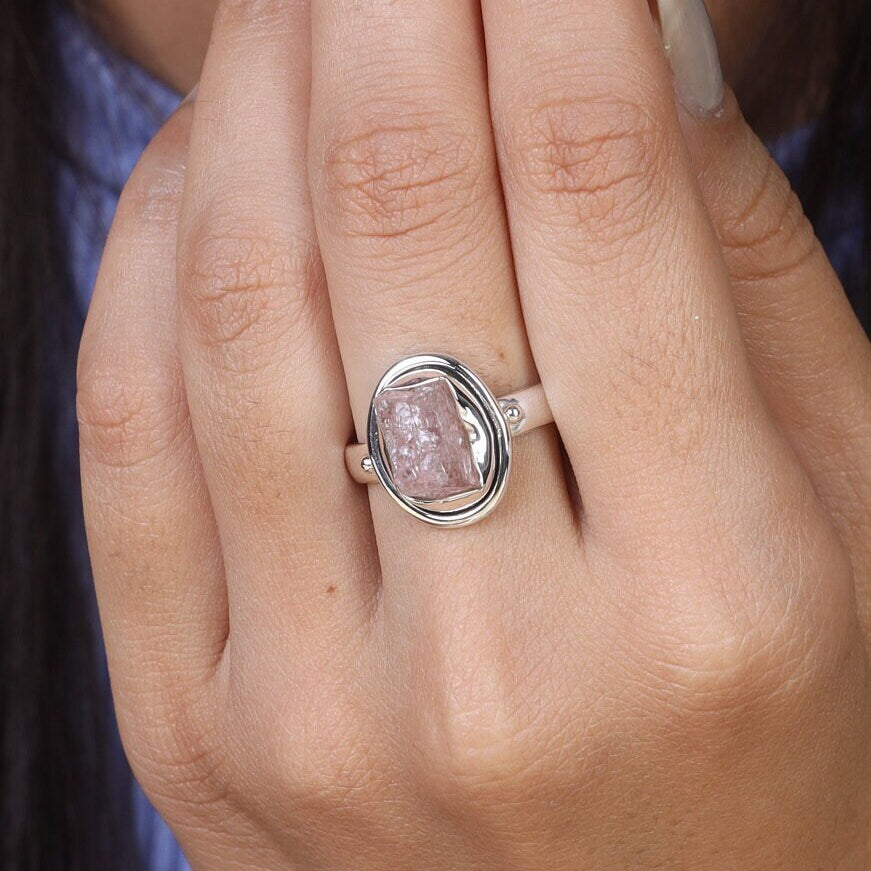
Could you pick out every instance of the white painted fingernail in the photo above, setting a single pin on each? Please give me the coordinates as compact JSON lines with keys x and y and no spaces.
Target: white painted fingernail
{"x":692,"y":50}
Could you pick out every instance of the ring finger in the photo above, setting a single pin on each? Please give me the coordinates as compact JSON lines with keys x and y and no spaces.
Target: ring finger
{"x":413,"y":234}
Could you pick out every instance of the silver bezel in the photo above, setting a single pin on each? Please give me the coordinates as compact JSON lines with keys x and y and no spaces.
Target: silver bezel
{"x":491,"y":445}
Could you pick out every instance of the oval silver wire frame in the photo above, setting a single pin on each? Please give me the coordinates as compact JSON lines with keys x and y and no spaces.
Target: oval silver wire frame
{"x":466,"y":383}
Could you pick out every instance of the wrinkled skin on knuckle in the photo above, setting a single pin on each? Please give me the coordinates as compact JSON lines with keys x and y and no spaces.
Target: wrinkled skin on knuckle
{"x":764,"y":231}
{"x":401,"y":173}
{"x":595,"y":162}
{"x":129,"y":407}
{"x":245,"y":285}
{"x":126,"y":415}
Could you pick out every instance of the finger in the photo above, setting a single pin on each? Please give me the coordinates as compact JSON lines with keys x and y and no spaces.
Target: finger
{"x":153,"y":543}
{"x":625,"y":293}
{"x":412,"y":227}
{"x":810,"y":353}
{"x":264,"y":379}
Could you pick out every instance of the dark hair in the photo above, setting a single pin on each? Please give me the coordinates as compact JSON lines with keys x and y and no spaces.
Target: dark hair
{"x":62,"y":804}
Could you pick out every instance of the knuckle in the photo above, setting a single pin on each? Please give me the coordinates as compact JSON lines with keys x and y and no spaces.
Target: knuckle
{"x":318,"y":759}
{"x":342,"y":775}
{"x":177,"y":751}
{"x":599,"y":160}
{"x":474,"y":760}
{"x":407,"y":173}
{"x":754,"y":644}
{"x":478,"y":742}
{"x":764,"y":231}
{"x":725,"y":669}
{"x":126,"y":415}
{"x":153,"y":195}
{"x":740,"y":682}
{"x":241,"y":287}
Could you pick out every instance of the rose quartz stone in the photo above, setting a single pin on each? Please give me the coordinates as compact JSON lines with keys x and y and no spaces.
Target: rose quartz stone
{"x":426,"y":441}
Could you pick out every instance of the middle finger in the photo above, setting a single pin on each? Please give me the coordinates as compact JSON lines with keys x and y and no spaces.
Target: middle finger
{"x":619,"y":268}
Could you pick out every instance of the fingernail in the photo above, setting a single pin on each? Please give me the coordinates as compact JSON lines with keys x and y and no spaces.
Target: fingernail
{"x":192,"y":96}
{"x":691,"y":47}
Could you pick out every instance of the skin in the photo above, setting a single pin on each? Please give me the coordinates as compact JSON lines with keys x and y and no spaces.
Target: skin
{"x":675,"y":675}
{"x":168,"y":38}
{"x":171,"y":39}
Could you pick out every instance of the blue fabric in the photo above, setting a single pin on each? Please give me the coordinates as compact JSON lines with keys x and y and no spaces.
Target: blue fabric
{"x":109,"y":112}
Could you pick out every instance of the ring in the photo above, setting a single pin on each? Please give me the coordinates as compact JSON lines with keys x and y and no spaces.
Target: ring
{"x":439,"y":442}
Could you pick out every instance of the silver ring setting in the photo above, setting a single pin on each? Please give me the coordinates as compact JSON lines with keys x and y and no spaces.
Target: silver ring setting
{"x":438,"y":440}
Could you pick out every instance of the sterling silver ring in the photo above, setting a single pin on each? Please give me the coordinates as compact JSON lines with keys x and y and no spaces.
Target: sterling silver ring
{"x":439,"y":442}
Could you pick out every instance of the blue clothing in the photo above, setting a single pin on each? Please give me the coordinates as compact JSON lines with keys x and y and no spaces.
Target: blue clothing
{"x":109,"y":112}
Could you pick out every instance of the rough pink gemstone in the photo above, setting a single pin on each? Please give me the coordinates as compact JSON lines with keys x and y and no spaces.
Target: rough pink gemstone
{"x":426,"y":441}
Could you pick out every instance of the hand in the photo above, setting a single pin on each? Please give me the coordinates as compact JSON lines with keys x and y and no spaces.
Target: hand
{"x":670,"y":672}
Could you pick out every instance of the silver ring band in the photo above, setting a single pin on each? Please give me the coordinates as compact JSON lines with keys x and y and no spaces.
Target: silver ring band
{"x":439,"y":442}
